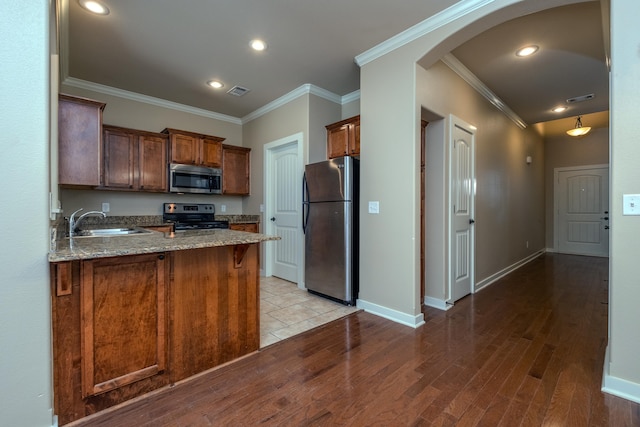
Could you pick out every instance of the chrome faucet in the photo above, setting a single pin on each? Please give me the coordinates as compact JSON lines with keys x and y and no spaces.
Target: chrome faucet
{"x":73,"y":222}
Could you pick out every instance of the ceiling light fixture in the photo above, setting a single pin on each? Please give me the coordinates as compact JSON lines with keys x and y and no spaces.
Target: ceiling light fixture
{"x":258,"y":45}
{"x":559,"y":109}
{"x":527,"y":51}
{"x":215,"y":84}
{"x":94,"y":7}
{"x":578,"y":130}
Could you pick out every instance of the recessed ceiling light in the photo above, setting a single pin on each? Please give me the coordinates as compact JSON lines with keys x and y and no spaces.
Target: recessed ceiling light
{"x":559,"y":109}
{"x":527,"y":50}
{"x":258,"y":45}
{"x":215,"y":84}
{"x":94,"y":7}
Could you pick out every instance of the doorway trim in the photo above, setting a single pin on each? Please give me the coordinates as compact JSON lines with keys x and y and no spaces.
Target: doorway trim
{"x":296,"y":139}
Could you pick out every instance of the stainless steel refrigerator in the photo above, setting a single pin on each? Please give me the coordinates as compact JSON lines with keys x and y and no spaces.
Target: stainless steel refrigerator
{"x":330,"y":225}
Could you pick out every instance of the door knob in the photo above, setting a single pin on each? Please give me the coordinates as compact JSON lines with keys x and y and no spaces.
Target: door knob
{"x":273,"y":218}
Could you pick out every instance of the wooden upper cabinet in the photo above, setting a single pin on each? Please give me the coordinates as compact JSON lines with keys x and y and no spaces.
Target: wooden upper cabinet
{"x":343,"y":138}
{"x":189,"y":148}
{"x":236,"y":170}
{"x":119,"y":153}
{"x":134,"y":160}
{"x":79,"y":141}
{"x":152,"y":158}
{"x":211,"y":152}
{"x":123,"y":322}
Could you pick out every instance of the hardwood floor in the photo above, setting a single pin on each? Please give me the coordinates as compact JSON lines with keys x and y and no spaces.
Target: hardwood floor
{"x":526,"y":351}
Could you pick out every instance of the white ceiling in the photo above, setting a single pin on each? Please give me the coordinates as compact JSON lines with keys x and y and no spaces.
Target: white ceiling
{"x":169,"y":50}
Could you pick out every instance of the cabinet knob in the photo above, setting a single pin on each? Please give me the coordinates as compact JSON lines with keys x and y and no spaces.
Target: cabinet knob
{"x":160,"y":256}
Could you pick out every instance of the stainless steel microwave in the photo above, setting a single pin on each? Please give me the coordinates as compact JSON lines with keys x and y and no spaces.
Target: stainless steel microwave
{"x":194,"y":179}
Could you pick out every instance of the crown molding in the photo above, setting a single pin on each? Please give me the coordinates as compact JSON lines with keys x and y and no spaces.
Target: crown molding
{"x":350,"y":97}
{"x":432,"y":23}
{"x":294,"y":94}
{"x":458,"y":67}
{"x":108,"y":90}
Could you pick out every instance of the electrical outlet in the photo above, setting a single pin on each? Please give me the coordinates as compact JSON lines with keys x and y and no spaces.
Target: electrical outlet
{"x":223,"y":208}
{"x":106,"y":207}
{"x":374,"y":207}
{"x":261,"y":208}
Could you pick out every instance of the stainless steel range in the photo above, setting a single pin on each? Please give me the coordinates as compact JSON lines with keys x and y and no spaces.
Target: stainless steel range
{"x":192,"y":216}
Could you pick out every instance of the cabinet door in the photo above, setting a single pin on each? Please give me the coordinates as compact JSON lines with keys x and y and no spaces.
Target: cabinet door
{"x":185,"y":149}
{"x":79,"y":141}
{"x":235,"y":170}
{"x":354,"y":139}
{"x":211,"y":154}
{"x":119,"y":155}
{"x":337,"y":141}
{"x":123,"y":326}
{"x":152,"y":163}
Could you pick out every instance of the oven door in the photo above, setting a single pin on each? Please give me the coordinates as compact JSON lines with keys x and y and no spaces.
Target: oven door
{"x":194,"y":179}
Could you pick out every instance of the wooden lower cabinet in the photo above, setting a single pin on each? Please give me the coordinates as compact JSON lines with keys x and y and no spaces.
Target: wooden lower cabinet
{"x":125,"y":326}
{"x":251,"y":227}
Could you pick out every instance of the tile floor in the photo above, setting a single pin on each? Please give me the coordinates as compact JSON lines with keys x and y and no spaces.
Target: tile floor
{"x":286,"y":310}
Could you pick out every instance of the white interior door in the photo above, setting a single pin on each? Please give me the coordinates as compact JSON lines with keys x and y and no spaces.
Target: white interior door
{"x":461,"y":188}
{"x":582,"y":210}
{"x":283,"y":175}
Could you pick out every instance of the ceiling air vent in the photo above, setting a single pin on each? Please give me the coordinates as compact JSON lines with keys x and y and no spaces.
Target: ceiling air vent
{"x":237,"y":91}
{"x":580,"y":98}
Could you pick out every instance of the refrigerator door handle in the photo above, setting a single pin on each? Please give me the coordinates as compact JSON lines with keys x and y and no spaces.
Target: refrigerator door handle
{"x":305,"y":203}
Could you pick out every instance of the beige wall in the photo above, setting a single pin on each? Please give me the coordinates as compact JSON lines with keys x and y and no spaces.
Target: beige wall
{"x":25,"y":314}
{"x":624,"y":291}
{"x":509,"y":193}
{"x":321,"y":113}
{"x":350,"y":109}
{"x":564,"y":151}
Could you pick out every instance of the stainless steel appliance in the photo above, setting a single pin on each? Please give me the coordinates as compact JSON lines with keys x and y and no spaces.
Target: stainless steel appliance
{"x":192,"y":216}
{"x":194,"y":179}
{"x":330,"y":225}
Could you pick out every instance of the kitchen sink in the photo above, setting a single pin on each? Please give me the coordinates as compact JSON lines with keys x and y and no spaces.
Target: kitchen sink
{"x":108,"y":232}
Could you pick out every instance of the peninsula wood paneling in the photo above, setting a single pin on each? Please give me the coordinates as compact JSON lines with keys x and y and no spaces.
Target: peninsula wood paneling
{"x":214,"y":308}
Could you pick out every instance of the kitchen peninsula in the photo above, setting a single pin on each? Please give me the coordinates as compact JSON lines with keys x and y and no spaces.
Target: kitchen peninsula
{"x":136,"y":313}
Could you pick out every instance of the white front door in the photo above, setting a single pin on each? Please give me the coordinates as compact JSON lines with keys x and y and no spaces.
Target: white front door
{"x":461,"y":190}
{"x":283,"y":178}
{"x":582,"y":210}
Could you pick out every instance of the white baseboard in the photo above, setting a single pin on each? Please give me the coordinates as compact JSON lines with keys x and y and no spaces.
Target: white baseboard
{"x":617,"y":386}
{"x":500,"y":274}
{"x":394,"y":315}
{"x":440,"y":304}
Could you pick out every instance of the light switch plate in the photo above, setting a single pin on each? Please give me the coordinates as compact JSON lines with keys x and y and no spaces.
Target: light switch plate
{"x":374,"y":207}
{"x":631,"y":204}
{"x":105,"y":207}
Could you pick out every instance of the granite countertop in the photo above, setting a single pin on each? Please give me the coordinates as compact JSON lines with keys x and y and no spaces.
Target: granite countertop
{"x":77,"y":248}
